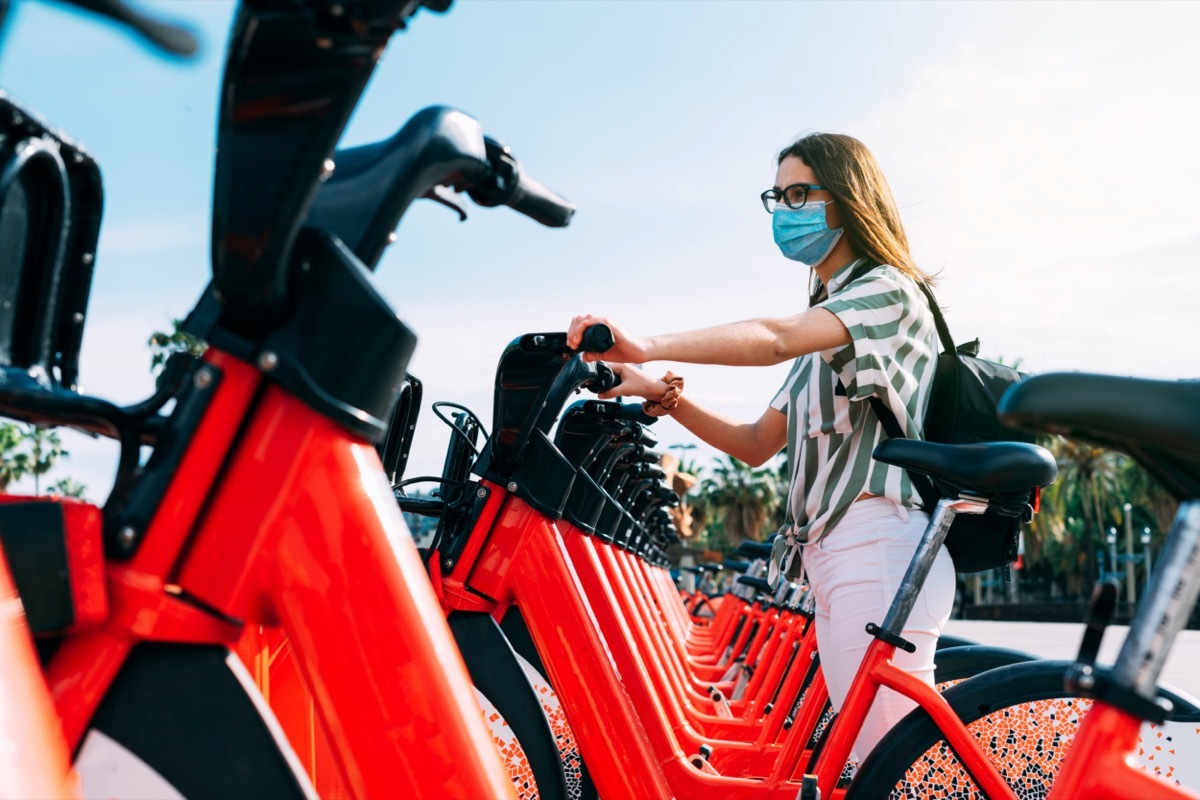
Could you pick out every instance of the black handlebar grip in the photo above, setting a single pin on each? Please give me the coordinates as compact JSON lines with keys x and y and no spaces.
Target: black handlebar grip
{"x":597,"y":339}
{"x":540,"y":204}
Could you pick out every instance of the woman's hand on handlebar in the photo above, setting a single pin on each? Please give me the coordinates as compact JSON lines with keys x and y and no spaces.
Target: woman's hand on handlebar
{"x":634,"y":383}
{"x":627,"y":348}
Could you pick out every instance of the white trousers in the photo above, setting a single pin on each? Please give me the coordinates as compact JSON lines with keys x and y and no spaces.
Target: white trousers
{"x":855,"y":572}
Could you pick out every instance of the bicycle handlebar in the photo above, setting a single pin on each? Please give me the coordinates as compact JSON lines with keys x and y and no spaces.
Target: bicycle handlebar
{"x":536,"y":377}
{"x":167,"y":36}
{"x":372,"y":186}
{"x":597,"y":339}
{"x":508,"y":185}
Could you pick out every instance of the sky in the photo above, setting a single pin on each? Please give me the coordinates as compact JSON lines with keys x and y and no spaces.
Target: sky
{"x":1042,"y":155}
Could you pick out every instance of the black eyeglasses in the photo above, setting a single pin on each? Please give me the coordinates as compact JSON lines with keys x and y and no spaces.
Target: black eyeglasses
{"x":794,"y":196}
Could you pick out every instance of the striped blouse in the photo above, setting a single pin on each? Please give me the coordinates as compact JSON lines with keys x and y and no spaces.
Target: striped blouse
{"x":831,"y":432}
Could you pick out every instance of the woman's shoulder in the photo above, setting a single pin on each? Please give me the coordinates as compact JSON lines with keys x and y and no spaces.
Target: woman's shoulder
{"x":879,"y":278}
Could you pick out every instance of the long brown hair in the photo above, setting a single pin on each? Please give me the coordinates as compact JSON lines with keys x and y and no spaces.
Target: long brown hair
{"x":846,"y":168}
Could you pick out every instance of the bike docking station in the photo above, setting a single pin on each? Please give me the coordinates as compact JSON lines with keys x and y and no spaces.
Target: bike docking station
{"x":247,"y":613}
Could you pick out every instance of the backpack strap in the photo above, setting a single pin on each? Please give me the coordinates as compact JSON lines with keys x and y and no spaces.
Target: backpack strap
{"x":891,"y":426}
{"x":939,"y":321}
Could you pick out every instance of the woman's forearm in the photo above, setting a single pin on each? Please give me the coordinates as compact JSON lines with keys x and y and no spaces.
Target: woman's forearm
{"x":752,"y":442}
{"x":752,"y":343}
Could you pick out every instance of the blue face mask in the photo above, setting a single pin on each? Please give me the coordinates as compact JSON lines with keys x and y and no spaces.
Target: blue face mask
{"x":802,"y":233}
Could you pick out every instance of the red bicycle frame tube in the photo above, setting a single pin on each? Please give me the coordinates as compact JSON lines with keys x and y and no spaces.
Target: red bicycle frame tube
{"x":576,"y":595}
{"x":877,"y":671}
{"x":524,"y":563}
{"x":1097,"y":764}
{"x":33,"y":758}
{"x":300,"y":531}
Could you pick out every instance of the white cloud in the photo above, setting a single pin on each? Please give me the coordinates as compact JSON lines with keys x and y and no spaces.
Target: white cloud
{"x":1055,"y":184}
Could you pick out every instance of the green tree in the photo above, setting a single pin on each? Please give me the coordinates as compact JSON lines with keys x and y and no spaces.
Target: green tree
{"x":69,"y":487}
{"x":163,"y":345}
{"x":14,"y":464}
{"x":1089,"y":481}
{"x":45,"y":449}
{"x":744,"y":497}
{"x":27,"y":450}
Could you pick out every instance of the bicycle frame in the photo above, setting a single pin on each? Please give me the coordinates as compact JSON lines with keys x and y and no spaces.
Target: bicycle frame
{"x":562,"y":581}
{"x":627,"y":682}
{"x":278,"y":517}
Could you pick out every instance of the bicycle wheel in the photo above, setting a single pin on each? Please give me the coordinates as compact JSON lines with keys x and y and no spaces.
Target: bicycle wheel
{"x":946,"y":642}
{"x":1025,"y":721}
{"x":956,"y":664}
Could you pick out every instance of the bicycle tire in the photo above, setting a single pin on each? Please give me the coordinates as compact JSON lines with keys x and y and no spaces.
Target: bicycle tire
{"x":956,"y":664}
{"x":1020,"y":713}
{"x":186,"y":721}
{"x":946,"y":642}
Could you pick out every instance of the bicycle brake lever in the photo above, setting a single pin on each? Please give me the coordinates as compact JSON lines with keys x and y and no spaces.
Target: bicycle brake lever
{"x":166,"y":36}
{"x":442,"y":195}
{"x":605,"y":379}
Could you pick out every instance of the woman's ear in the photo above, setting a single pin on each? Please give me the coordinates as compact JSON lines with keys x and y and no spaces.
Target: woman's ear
{"x":833,"y":215}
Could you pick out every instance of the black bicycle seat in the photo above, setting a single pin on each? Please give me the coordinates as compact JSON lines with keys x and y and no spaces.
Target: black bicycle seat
{"x":1157,"y":422}
{"x":735,"y":566}
{"x":758,"y":584}
{"x":985,"y":469}
{"x":753,"y":550}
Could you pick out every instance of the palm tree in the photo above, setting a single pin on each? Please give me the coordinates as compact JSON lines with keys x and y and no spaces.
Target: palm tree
{"x":27,"y":450}
{"x":14,"y":464}
{"x":1146,"y":493}
{"x":1089,"y":479}
{"x":45,"y":449}
{"x":744,"y":496}
{"x":69,"y":487}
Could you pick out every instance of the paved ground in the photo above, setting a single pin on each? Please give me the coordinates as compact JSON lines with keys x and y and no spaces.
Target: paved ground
{"x":1061,"y":640}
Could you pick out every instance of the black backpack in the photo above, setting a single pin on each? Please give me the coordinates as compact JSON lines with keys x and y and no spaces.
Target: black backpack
{"x":962,"y":410}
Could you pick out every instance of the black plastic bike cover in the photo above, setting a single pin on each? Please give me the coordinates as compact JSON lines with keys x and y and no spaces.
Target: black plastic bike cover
{"x":295,"y":69}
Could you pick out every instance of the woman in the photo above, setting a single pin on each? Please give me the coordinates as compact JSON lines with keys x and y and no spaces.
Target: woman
{"x":868,"y":331}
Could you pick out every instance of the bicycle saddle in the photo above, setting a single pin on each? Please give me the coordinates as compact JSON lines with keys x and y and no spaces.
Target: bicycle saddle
{"x":984,"y":469}
{"x":753,"y":550}
{"x":758,"y":584}
{"x":1157,"y":422}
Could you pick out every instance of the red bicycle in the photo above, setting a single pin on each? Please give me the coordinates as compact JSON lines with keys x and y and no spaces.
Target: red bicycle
{"x":1079,"y":729}
{"x":566,"y":553}
{"x":263,"y":509}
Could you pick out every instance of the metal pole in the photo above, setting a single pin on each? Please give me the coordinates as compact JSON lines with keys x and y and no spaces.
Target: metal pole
{"x":1130,"y":585}
{"x":1112,"y":552}
{"x":1146,"y":553}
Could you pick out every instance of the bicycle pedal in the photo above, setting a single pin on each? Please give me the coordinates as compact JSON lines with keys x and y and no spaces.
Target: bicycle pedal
{"x":700,"y":760}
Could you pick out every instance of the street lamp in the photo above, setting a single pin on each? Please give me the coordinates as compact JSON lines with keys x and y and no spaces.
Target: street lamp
{"x":1146,"y":552}
{"x":1130,"y":586}
{"x":1112,"y":551}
